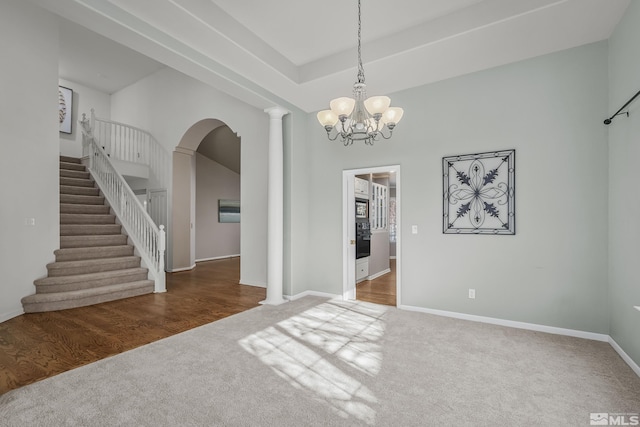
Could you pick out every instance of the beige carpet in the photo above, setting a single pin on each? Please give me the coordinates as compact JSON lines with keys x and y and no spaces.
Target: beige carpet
{"x":325,"y":362}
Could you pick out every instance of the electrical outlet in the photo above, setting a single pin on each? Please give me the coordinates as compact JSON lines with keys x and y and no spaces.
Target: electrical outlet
{"x":472,"y":293}
{"x":30,"y":222}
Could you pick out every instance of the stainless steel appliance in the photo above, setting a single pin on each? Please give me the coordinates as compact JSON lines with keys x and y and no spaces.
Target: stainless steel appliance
{"x":363,"y":232}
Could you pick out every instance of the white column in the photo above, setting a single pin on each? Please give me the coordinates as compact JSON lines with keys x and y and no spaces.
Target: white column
{"x":275,"y":210}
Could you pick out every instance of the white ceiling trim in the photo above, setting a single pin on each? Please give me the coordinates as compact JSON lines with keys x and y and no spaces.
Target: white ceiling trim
{"x":200,"y":39}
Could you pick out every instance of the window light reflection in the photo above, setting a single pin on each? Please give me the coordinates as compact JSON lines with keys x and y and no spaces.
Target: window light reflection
{"x":298,"y":349}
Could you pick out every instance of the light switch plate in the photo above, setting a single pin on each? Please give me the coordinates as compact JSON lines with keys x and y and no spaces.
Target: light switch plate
{"x":414,"y":229}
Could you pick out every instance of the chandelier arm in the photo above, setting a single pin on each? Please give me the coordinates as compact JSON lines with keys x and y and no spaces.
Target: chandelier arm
{"x":334,"y":137}
{"x":384,"y":136}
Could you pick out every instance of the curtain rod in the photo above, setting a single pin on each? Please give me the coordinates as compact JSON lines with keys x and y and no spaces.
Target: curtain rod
{"x":608,"y":121}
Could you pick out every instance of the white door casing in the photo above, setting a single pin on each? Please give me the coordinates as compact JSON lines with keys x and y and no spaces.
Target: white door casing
{"x":349,"y":227}
{"x":349,"y":230}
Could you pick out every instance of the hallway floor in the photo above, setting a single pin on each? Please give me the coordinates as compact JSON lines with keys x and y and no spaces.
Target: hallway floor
{"x":381,"y":290}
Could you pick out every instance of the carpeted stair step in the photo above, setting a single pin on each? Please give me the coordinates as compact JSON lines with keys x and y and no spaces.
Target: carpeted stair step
{"x":74,"y":174}
{"x":70,"y":268}
{"x":92,"y":241}
{"x":95,"y":263}
{"x":80,"y":298}
{"x":81,"y":200}
{"x":81,"y":191}
{"x":66,"y":218}
{"x":76,"y":254}
{"x":72,"y":166}
{"x":74,"y":208}
{"x":77,"y":182}
{"x":67,"y":159}
{"x":89,"y":229}
{"x":49,"y":285}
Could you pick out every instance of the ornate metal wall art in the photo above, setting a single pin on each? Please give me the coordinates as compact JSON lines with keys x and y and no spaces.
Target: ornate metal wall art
{"x":479,"y":193}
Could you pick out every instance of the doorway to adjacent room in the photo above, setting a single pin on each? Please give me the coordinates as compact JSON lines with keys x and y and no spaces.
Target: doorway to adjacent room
{"x":371,"y":213}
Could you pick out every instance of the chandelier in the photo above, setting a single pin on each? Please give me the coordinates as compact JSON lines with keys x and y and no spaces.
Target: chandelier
{"x":360,"y":118}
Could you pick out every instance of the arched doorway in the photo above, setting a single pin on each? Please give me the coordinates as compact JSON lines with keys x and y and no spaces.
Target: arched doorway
{"x":185,"y":250}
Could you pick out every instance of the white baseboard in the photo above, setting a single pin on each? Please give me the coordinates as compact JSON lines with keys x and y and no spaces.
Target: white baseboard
{"x":310,"y":293}
{"x":392,"y":257}
{"x":256,"y":284}
{"x":378,"y":274}
{"x":217,"y":257}
{"x":10,"y":315}
{"x":177,"y":270}
{"x":511,"y":323}
{"x":634,"y":366}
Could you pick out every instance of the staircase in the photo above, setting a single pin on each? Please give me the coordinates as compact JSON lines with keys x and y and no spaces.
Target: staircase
{"x":94,"y":263}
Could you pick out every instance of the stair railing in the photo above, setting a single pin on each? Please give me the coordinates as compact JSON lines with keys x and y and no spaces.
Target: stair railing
{"x":131,"y":144}
{"x":147,"y":237}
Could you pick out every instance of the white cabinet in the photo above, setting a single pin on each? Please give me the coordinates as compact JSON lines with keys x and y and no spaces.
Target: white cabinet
{"x":361,"y":188}
{"x":379,"y":211}
{"x":362,"y":269}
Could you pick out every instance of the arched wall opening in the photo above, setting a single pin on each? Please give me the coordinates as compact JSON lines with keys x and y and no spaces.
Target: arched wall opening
{"x":184,"y":194}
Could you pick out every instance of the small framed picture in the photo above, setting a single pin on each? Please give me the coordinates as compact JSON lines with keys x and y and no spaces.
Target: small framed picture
{"x":65,"y":107}
{"x":228,"y":210}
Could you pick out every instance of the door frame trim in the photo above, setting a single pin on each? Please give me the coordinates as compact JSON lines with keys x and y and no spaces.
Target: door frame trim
{"x":349,"y":232}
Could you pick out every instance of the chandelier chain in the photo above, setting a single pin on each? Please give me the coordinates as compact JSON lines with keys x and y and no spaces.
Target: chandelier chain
{"x":360,"y":67}
{"x":360,"y":118}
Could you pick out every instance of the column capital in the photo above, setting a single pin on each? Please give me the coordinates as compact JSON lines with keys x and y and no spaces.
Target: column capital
{"x":276,"y":112}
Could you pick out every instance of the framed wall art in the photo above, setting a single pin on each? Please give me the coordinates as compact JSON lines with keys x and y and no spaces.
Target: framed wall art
{"x":65,"y":108}
{"x":228,"y":210}
{"x":479,"y":193}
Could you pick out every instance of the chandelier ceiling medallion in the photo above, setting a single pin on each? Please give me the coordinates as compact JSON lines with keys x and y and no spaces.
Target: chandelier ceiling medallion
{"x":360,"y":118}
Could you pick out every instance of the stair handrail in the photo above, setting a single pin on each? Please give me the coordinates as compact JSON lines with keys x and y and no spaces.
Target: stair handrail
{"x":148,"y":238}
{"x":128,"y":143}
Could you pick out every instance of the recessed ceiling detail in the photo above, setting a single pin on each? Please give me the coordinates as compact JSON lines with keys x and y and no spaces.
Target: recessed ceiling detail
{"x":298,"y":54}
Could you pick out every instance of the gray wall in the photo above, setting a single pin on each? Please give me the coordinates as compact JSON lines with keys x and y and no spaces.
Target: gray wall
{"x":29,"y":161}
{"x":84,"y":99}
{"x":554,"y":271}
{"x":213,"y":182}
{"x":297,"y":183}
{"x":150,"y":104}
{"x":379,"y":259}
{"x":624,"y":151}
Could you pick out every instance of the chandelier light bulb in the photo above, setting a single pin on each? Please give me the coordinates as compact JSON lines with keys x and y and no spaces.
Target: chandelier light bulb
{"x":342,"y":106}
{"x":377,"y":104}
{"x":327,"y":118}
{"x":392,"y":116}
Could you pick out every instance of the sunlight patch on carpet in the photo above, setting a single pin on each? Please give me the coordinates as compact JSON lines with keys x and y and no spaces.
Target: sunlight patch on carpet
{"x":297,"y":348}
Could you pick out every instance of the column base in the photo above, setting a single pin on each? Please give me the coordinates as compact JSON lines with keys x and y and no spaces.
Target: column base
{"x":273,"y":301}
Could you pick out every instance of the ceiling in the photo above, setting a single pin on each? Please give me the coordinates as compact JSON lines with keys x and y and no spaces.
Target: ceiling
{"x":97,"y":62}
{"x":302,"y":54}
{"x":222,"y":145}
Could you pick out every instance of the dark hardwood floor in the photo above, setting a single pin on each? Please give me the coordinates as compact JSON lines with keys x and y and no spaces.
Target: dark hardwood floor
{"x":381,"y":290}
{"x":40,"y":345}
